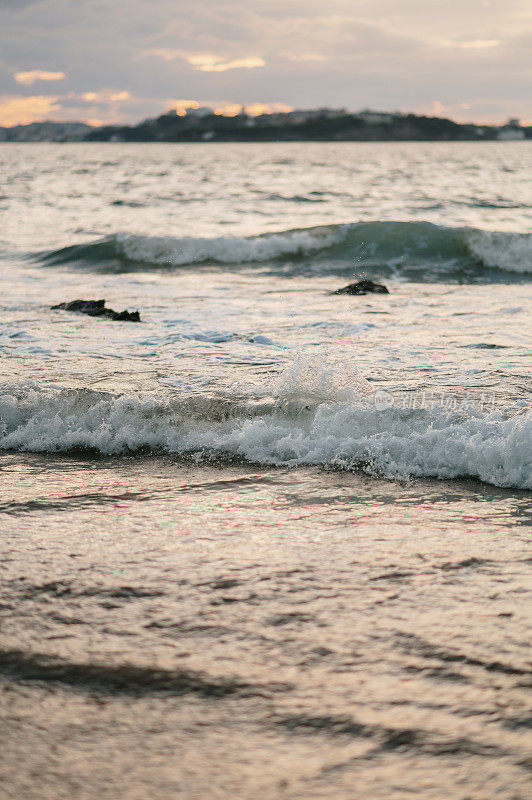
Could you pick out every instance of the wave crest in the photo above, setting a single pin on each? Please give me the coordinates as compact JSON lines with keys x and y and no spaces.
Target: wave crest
{"x":285,"y":431}
{"x":361,"y":244}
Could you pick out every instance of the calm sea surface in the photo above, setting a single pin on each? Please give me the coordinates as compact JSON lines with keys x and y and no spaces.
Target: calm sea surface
{"x":269,"y":542}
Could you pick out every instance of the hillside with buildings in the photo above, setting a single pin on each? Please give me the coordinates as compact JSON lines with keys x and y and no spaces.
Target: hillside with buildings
{"x":46,"y":132}
{"x":204,"y":125}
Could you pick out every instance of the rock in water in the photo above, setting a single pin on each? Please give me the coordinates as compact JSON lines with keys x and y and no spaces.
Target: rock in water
{"x":96,"y":308}
{"x":363,"y":287}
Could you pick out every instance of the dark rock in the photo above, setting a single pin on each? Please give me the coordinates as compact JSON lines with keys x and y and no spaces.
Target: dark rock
{"x":96,"y":308}
{"x":363,"y":287}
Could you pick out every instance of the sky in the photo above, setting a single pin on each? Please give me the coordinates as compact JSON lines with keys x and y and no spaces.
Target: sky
{"x":107,"y":61}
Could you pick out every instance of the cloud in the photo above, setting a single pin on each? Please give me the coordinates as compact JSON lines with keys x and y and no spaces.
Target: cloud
{"x":215,"y":64}
{"x":18,"y":110}
{"x":229,"y":110}
{"x":256,"y":109}
{"x":94,"y":108}
{"x":104,"y":107}
{"x":181,"y":106}
{"x":350,"y":53}
{"x":206,"y":62}
{"x":474,"y":44}
{"x":28,"y":78}
{"x":480,"y":44}
{"x":106,"y":96}
{"x":251,"y":109}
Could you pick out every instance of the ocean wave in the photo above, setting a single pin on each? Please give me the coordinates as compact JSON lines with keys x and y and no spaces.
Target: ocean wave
{"x":343,"y":430}
{"x":399,"y":245}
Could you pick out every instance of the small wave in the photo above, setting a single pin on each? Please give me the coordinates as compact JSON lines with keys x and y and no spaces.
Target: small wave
{"x":386,"y":739}
{"x":297,"y":198}
{"x":342,"y":430}
{"x":159,"y":251}
{"x":123,"y":679}
{"x":409,"y":245}
{"x":128,"y":203}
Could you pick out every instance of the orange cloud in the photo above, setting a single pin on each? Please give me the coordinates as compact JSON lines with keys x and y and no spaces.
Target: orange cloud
{"x":253,"y":109}
{"x":206,"y":62}
{"x":180,"y":106}
{"x":453,"y":111}
{"x":256,"y":109}
{"x":474,"y":44}
{"x":17,"y":110}
{"x":480,"y":44}
{"x":120,"y":96}
{"x":105,"y":97}
{"x":229,"y":110}
{"x":27,"y":78}
{"x":209,"y":63}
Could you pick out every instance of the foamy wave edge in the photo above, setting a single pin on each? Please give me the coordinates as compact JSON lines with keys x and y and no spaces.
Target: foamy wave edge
{"x":392,"y":443}
{"x":394,"y":243}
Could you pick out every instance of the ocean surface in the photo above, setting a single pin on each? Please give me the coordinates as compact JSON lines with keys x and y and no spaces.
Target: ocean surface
{"x":270,"y":541}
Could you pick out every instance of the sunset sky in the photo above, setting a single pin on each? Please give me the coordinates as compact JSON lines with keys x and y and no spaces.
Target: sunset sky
{"x":122,"y":60}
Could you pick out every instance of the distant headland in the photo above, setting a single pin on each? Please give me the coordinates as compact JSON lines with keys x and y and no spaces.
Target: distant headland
{"x":318,"y":125}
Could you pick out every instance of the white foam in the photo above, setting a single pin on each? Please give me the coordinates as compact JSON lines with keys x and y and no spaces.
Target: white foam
{"x":507,"y":251}
{"x":227,"y":249}
{"x":289,"y":431}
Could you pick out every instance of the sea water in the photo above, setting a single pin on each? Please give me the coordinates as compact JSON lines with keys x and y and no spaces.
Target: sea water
{"x":269,"y":541}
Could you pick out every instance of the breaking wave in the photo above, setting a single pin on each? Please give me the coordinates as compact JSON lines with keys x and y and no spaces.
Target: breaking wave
{"x":409,"y":245}
{"x":292,"y":429}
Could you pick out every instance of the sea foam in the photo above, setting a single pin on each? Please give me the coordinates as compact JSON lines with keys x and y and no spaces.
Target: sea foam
{"x":295,"y":428}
